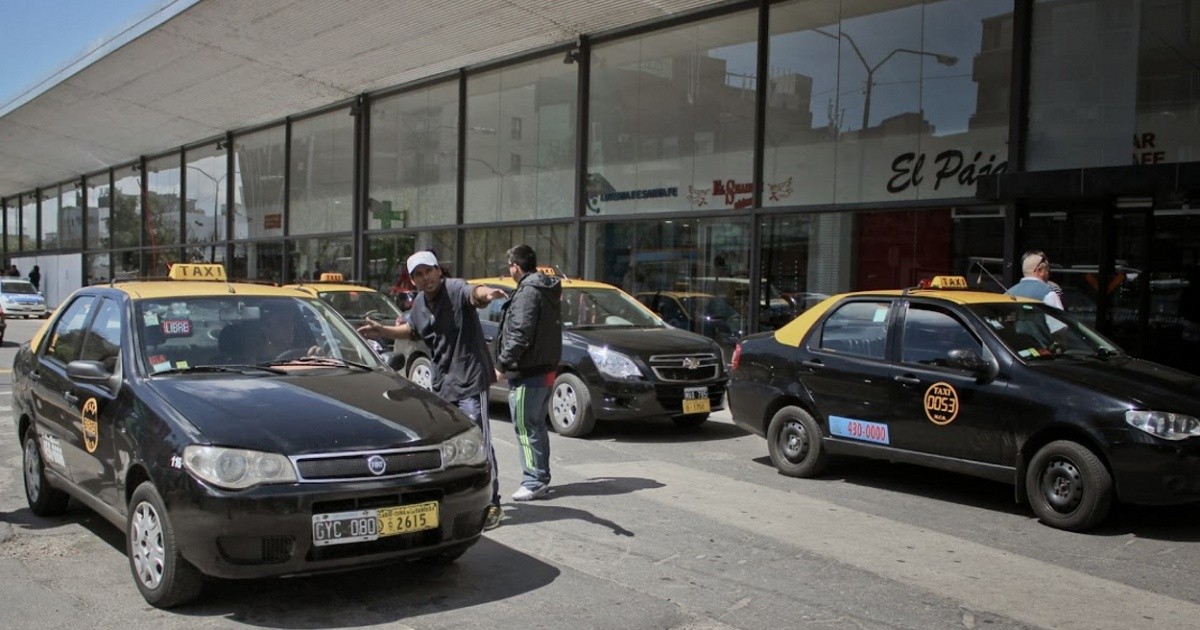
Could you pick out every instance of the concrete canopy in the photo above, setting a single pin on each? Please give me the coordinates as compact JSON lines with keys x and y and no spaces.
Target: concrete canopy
{"x":222,"y":65}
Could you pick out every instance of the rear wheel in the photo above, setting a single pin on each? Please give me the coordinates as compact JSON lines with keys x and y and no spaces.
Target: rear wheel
{"x":794,"y":442}
{"x":44,"y":500}
{"x":1068,"y":486}
{"x":421,"y":372}
{"x":571,"y":407}
{"x":164,"y":578}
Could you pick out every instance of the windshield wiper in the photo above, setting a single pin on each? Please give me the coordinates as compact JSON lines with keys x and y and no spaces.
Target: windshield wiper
{"x":330,"y":361}
{"x":219,"y":368}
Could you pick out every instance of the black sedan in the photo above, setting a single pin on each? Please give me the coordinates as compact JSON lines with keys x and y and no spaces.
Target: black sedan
{"x":978,"y":383}
{"x":239,"y":431}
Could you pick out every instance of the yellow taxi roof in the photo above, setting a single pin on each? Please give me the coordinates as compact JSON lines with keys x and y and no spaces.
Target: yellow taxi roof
{"x":329,"y":287}
{"x":151,"y":289}
{"x":679,"y":294}
{"x":507,"y":281}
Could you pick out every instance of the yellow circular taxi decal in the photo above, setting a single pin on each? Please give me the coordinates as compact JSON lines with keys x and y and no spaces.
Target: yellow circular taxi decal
{"x":941,"y":403}
{"x":91,"y":427}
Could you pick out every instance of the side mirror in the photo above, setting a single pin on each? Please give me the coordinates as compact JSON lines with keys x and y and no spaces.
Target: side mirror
{"x":395,"y":360}
{"x":968,"y":360}
{"x":89,"y":371}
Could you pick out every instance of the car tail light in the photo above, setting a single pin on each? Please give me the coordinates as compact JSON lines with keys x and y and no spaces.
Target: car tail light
{"x":737,"y":357}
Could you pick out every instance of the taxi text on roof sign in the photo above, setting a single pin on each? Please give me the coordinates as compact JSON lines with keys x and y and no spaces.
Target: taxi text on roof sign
{"x":332,"y":277}
{"x":197,"y":271}
{"x":948,"y":282}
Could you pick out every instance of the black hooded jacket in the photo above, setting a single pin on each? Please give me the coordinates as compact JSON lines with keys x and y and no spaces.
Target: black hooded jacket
{"x":530,"y":339}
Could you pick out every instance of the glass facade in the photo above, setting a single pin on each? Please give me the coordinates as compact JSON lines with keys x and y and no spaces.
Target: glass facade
{"x":878,"y":121}
{"x":1105,"y":72}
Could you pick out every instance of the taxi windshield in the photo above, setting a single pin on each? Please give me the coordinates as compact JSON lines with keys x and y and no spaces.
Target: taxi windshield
{"x":360,"y":304}
{"x":604,"y":307}
{"x":1037,"y":331}
{"x":188,"y":333}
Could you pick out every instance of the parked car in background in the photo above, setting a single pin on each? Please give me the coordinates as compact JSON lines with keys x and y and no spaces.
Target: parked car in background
{"x":169,"y":408}
{"x":701,"y":313}
{"x":18,"y":298}
{"x":985,"y":384}
{"x":355,"y":302}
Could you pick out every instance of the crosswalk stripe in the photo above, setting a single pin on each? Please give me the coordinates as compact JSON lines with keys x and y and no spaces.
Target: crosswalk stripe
{"x":1025,"y":589}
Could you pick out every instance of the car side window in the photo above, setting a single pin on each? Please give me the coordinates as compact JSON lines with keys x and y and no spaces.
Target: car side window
{"x":103,"y":340}
{"x":931,"y":333}
{"x":67,"y":337}
{"x":858,"y":328}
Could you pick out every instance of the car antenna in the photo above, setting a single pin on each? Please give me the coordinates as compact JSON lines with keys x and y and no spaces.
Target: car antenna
{"x":979,"y":278}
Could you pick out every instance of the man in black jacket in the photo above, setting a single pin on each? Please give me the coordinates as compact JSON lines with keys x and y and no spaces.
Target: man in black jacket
{"x":528,"y":350}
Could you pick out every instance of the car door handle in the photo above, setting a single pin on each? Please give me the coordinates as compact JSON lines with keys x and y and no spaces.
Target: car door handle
{"x":813,"y":364}
{"x":70,"y":398}
{"x":905,"y":379}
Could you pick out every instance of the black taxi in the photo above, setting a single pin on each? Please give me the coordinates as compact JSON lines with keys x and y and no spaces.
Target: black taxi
{"x":620,"y":361}
{"x":979,"y":383}
{"x":238,"y":430}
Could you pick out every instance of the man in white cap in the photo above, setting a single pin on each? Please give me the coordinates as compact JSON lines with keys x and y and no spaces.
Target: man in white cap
{"x":462,"y":365}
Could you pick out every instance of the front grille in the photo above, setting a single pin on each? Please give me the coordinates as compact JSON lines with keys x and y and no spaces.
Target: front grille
{"x":251,"y":550}
{"x":686,"y":368}
{"x":349,"y":466}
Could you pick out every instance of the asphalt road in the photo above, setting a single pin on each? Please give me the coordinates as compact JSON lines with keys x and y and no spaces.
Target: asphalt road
{"x":650,"y":526}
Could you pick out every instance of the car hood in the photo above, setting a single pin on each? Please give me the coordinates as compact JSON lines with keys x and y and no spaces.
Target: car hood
{"x":317,"y":411}
{"x":643,"y":341}
{"x":1156,"y":386}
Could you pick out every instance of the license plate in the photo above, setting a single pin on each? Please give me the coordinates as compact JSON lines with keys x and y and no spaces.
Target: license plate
{"x":695,"y":400}
{"x":339,"y":528}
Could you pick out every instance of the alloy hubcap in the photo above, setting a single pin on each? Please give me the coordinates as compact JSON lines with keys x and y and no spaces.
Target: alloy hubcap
{"x":423,"y":376}
{"x":147,"y":551}
{"x":564,"y":407}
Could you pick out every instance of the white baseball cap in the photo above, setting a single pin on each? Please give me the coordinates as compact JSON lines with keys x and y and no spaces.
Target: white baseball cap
{"x":421,"y":258}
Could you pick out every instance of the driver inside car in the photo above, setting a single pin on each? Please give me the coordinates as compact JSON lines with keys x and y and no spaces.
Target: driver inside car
{"x":281,"y":337}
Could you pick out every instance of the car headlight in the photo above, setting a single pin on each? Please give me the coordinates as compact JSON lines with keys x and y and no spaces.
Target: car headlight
{"x":464,"y":449}
{"x":236,"y":468}
{"x":613,"y":363}
{"x":1163,"y":424}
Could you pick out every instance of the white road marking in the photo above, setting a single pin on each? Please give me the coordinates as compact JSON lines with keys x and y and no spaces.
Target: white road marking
{"x":1025,"y":589}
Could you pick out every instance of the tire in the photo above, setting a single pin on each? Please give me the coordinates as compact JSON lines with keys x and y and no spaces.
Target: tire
{"x":571,"y":407}
{"x":44,"y":499}
{"x":690,"y":421}
{"x":164,"y":578}
{"x":420,"y":372}
{"x":1068,"y":486}
{"x":794,"y":443}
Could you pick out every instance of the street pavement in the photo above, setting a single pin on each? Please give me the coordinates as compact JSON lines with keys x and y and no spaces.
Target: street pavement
{"x":651,"y":526}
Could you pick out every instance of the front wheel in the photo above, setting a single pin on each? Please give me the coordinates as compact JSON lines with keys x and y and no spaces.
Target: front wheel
{"x":43,"y":499}
{"x":162,"y":575}
{"x":1068,"y":486}
{"x":794,"y":443}
{"x":571,"y":407}
{"x":421,"y":373}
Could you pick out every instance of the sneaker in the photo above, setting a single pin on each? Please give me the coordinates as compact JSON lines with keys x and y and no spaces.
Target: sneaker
{"x":525,"y":493}
{"x":492,"y":519}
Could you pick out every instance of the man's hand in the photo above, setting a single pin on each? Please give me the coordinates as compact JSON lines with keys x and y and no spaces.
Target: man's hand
{"x":500,"y":375}
{"x":371,"y":329}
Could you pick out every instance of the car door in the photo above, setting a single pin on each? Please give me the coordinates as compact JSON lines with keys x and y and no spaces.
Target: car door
{"x":845,"y":369}
{"x":56,"y":402}
{"x":98,"y":411}
{"x":940,"y":409}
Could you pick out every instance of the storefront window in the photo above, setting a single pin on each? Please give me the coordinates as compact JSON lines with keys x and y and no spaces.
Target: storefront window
{"x":99,"y":213}
{"x":487,"y":248}
{"x":205,"y":209}
{"x":162,"y":201}
{"x":521,"y":142}
{"x":127,"y":209}
{"x":310,"y":257}
{"x":694,"y":272}
{"x":98,"y":268}
{"x":258,"y":175}
{"x":49,"y":223}
{"x":127,"y":264}
{"x":257,"y":261}
{"x":156,"y":262}
{"x":70,"y":216}
{"x":672,"y":119}
{"x":29,"y":219}
{"x":387,"y":254}
{"x":414,"y":159}
{"x":321,"y":187}
{"x":11,"y":207}
{"x":1113,"y":82}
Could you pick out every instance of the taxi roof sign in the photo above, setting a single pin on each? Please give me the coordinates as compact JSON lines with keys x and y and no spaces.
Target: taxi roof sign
{"x":197,"y":271}
{"x":948,"y":282}
{"x":330,"y":276}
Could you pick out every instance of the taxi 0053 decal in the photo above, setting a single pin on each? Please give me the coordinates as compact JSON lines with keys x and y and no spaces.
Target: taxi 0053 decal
{"x":91,"y":427}
{"x":859,"y":430}
{"x":941,"y":403}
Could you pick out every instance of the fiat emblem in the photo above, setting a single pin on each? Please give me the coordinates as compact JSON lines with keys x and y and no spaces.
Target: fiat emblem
{"x":691,"y":363}
{"x":377,"y":464}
